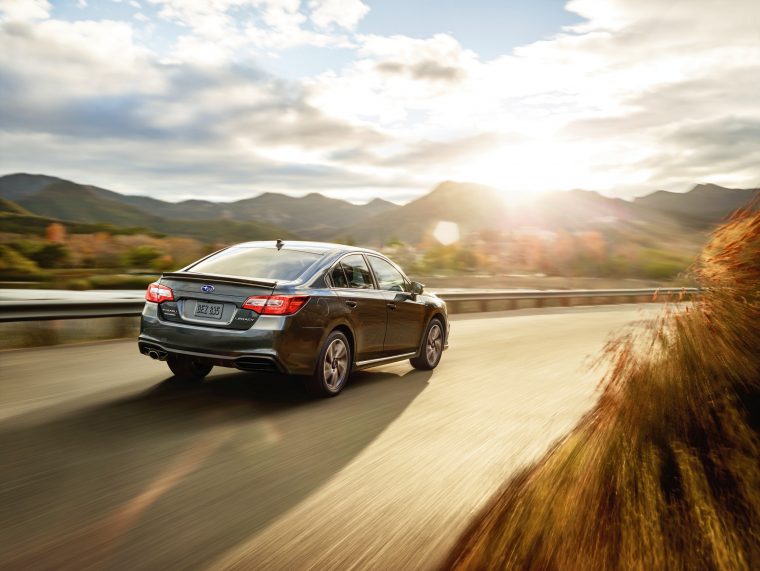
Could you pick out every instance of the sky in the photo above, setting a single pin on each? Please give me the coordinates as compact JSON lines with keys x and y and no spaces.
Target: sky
{"x":226,"y":99}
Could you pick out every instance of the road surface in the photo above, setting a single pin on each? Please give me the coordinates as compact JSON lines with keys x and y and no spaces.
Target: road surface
{"x":108,"y":463}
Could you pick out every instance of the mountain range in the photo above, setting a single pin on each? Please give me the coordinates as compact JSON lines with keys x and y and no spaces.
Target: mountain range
{"x":39,"y":198}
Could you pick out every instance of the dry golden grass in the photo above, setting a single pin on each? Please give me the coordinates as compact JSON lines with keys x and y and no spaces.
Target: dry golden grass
{"x":664,"y":473}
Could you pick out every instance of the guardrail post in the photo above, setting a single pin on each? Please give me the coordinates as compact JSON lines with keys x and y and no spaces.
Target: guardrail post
{"x":122,"y":327}
{"x":50,"y":335}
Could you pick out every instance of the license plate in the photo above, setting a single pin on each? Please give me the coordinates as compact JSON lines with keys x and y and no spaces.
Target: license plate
{"x":208,"y":310}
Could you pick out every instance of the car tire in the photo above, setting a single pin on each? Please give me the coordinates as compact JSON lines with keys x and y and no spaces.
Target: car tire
{"x":431,"y":347}
{"x":187,"y":369}
{"x":333,"y":367}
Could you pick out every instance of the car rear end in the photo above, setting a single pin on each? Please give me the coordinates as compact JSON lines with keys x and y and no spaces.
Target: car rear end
{"x":250,"y":323}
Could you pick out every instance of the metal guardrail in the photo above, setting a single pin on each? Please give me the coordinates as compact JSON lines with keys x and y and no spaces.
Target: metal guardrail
{"x":42,"y":310}
{"x":484,"y":297}
{"x":47,"y":309}
{"x":480,"y":295}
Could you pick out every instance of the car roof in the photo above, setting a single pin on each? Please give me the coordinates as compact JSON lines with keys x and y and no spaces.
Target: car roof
{"x":305,"y":246}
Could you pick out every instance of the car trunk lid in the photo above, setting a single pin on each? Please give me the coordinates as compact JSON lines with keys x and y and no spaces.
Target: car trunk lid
{"x":211,"y":300}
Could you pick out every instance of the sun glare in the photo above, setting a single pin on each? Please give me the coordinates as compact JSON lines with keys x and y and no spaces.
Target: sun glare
{"x":520,"y":173}
{"x":446,"y":232}
{"x":523,"y":171}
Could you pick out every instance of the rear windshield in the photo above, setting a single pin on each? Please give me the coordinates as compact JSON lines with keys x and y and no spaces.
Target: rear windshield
{"x":257,"y":263}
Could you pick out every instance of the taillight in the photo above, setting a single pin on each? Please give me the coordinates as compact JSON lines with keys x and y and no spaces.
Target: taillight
{"x":158,"y":293}
{"x":275,"y":304}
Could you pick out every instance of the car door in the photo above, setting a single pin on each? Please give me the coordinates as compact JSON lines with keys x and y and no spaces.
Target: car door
{"x":368,"y":314}
{"x":406,"y":315}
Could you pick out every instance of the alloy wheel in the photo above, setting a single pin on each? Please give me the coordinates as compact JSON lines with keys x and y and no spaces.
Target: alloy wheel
{"x":335,"y":365}
{"x":434,"y":343}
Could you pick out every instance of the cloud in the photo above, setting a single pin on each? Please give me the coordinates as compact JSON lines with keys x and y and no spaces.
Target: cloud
{"x":224,"y":171}
{"x":595,"y":102}
{"x":222,"y":28}
{"x":53,"y":60}
{"x":697,"y":150}
{"x":434,"y":154}
{"x":394,"y":77}
{"x":24,"y":10}
{"x":424,"y":70}
{"x":183,"y":103}
{"x":341,"y":13}
{"x":635,"y":97}
{"x":207,"y":19}
{"x":86,"y":97}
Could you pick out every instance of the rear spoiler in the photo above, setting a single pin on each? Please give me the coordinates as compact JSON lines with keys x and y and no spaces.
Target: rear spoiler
{"x":219,"y":278}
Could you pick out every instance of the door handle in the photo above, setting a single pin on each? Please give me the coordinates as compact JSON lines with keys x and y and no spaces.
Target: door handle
{"x":351,"y":304}
{"x":391,"y":306}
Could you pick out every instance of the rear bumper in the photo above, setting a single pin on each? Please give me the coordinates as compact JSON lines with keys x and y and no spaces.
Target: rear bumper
{"x":251,"y":361}
{"x":273,"y":343}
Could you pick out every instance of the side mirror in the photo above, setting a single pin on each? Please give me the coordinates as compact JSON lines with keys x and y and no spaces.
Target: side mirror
{"x":417,"y":288}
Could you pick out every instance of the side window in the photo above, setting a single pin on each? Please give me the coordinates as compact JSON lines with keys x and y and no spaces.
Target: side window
{"x":357,"y":272}
{"x":337,"y":277}
{"x":387,"y":276}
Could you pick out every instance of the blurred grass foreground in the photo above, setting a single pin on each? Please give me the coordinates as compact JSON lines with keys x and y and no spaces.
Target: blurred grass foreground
{"x":664,"y":473}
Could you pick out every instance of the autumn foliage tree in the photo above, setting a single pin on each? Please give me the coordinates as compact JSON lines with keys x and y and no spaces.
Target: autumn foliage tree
{"x":56,"y":233}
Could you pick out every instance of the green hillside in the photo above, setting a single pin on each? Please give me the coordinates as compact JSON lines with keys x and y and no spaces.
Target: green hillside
{"x":662,"y":219}
{"x":89,"y":206}
{"x":31,"y":224}
{"x":21,"y":185}
{"x":224,"y":230}
{"x":313,"y":215}
{"x":70,"y":201}
{"x":8,"y":206}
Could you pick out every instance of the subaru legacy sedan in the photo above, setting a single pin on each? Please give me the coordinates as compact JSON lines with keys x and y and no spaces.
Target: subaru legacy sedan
{"x":300,"y":308}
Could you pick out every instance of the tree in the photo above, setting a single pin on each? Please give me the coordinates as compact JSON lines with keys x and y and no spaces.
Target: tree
{"x":52,"y":256}
{"x":142,"y":256}
{"x":56,"y":233}
{"x":163,"y":263}
{"x":465,"y":259}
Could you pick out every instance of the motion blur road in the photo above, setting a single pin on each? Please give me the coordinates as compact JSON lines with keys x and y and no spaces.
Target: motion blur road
{"x":108,"y":463}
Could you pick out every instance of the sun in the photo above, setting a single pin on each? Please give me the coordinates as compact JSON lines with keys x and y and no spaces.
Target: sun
{"x":524,"y":171}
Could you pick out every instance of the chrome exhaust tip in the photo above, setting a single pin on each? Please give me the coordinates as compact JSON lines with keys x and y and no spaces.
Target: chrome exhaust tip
{"x":157,"y":354}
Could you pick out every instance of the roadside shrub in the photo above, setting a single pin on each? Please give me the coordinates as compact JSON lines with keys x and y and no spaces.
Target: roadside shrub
{"x":26,"y":246}
{"x":51,"y":256}
{"x":661,"y":265}
{"x":121,"y":281}
{"x":663,"y":473}
{"x":141,"y":256}
{"x":13,"y":264}
{"x":79,"y":284}
{"x":163,"y":263}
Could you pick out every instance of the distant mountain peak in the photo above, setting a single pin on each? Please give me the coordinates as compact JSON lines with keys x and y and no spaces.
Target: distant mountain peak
{"x":709,"y":187}
{"x":381,"y":201}
{"x":704,"y":204}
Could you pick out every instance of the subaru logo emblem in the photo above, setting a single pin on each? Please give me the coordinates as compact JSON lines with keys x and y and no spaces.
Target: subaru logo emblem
{"x":207,"y":288}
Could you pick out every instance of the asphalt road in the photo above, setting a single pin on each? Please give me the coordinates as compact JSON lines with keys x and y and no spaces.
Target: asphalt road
{"x":107,"y":463}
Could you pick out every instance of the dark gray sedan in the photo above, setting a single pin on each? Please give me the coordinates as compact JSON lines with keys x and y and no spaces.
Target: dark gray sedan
{"x":302,"y":308}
